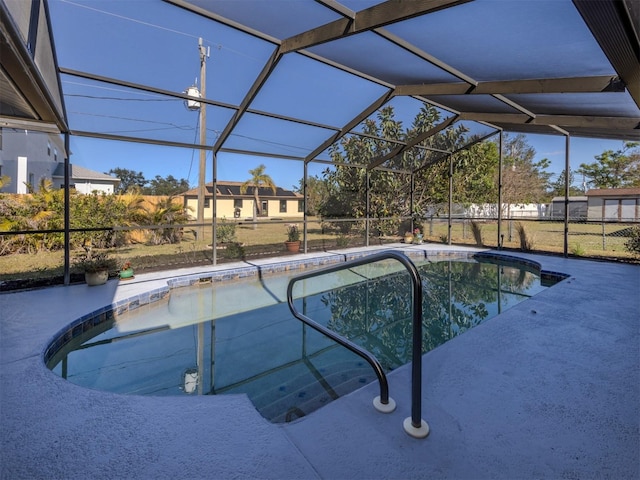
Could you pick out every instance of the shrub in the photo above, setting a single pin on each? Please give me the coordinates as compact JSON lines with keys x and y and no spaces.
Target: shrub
{"x":476,"y":229}
{"x":226,"y":232}
{"x":526,"y":242}
{"x":577,"y":250}
{"x":342,"y":241}
{"x":233,"y":250}
{"x":632,"y":245}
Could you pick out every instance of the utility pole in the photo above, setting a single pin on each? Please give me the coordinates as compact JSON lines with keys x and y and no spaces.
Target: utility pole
{"x":204,"y":53}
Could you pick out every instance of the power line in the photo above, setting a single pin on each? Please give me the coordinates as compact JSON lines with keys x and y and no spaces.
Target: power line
{"x":124,"y":99}
{"x":218,"y":46}
{"x":122,"y":17}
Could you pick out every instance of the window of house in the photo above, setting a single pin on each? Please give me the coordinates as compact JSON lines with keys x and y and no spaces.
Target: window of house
{"x":49,"y":149}
{"x":300,"y":206}
{"x":237,"y":203}
{"x":207,"y":203}
{"x":283,"y":206}
{"x":31,"y":180}
{"x":55,"y":154}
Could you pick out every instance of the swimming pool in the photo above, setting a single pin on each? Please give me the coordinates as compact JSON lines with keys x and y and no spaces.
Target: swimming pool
{"x":239,"y":337}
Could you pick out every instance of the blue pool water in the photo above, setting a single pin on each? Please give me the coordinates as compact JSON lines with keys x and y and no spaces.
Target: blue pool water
{"x":242,"y":338}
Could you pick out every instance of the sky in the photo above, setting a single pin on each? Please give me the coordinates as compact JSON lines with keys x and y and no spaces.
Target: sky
{"x":159,"y":47}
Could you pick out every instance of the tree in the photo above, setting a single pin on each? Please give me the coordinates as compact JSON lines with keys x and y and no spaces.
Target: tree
{"x":346,"y":180}
{"x":128,"y":179}
{"x":617,"y":169}
{"x":523,"y":180}
{"x":166,"y":186}
{"x":258,"y":180}
{"x":390,"y":191}
{"x":166,"y":212}
{"x":317,"y":192}
{"x":5,"y":180}
{"x":557,"y":187}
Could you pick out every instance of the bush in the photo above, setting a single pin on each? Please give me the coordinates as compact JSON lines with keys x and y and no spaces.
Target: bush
{"x":476,"y":229}
{"x":577,"y":250}
{"x":633,"y":244}
{"x":526,"y":242}
{"x":233,"y":250}
{"x":226,"y":232}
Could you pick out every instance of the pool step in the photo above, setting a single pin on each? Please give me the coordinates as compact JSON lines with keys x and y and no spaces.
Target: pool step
{"x":313,"y":396}
{"x":300,"y":391}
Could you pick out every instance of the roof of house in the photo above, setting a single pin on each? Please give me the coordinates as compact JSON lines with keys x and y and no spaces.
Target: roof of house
{"x":580,"y":198}
{"x":232,"y":190}
{"x":80,"y":173}
{"x":614,"y":192}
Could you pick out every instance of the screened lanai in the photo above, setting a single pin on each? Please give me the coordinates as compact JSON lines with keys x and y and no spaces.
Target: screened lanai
{"x":380,"y":115}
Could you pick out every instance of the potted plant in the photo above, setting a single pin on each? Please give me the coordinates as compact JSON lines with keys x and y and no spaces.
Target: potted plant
{"x":126,"y":271}
{"x":293,"y":238}
{"x":408,"y":237}
{"x":417,"y":236}
{"x":96,"y":267}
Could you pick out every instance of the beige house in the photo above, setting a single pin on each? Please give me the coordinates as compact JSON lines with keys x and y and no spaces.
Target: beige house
{"x":233,"y":204}
{"x":614,"y":204}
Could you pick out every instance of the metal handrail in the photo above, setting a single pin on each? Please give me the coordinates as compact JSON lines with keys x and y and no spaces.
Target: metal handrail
{"x":414,"y":425}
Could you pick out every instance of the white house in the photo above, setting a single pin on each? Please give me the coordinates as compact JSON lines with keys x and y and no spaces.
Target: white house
{"x":85,"y":180}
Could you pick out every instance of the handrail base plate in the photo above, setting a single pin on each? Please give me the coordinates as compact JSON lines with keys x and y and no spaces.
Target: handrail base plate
{"x":421,"y":432}
{"x":381,"y":407}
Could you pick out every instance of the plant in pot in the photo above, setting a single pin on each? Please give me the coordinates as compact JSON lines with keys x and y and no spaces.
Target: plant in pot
{"x":126,"y":271}
{"x":96,"y":267}
{"x":293,"y":238}
{"x":417,"y":236}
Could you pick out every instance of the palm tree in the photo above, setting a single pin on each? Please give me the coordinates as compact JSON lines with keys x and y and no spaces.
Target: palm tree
{"x":258,"y":179}
{"x":165,"y":212}
{"x":4,"y":180}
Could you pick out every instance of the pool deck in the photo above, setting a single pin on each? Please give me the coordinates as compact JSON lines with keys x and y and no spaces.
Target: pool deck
{"x":548,"y":389}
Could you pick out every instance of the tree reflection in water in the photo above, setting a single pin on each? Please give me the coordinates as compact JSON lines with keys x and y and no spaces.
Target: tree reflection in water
{"x":457,"y":296}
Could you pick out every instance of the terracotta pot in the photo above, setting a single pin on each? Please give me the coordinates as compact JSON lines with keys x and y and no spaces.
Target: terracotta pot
{"x":96,"y":278}
{"x":293,"y":246}
{"x":408,"y":239}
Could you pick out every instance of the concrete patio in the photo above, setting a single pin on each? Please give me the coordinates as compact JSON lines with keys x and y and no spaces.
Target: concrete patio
{"x":548,"y":389}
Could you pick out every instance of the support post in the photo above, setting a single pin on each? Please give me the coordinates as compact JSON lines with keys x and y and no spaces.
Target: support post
{"x":450,"y":196}
{"x":567,"y":175}
{"x":304,"y":206}
{"x":67,"y":214}
{"x":214,"y":210}
{"x":500,"y":158}
{"x":368,"y":201}
{"x":412,"y":199}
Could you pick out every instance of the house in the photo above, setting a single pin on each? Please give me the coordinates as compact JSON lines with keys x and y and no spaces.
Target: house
{"x":85,"y":180}
{"x":27,"y":157}
{"x":614,"y":204}
{"x":577,"y":208}
{"x":233,"y":204}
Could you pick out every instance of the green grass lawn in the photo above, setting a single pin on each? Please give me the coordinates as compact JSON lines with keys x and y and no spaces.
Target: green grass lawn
{"x":266,"y":239}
